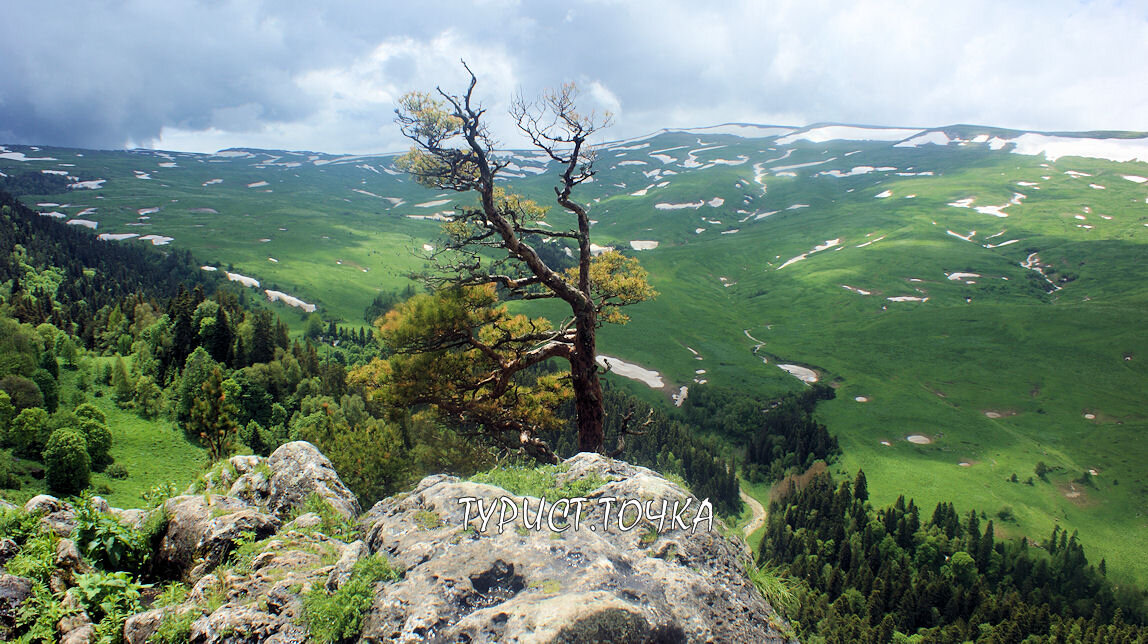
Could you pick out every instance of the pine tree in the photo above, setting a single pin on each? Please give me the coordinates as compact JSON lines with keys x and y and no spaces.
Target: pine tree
{"x":212,"y":416}
{"x":121,"y":382}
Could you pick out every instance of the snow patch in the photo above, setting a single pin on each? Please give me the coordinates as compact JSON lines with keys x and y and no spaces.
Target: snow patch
{"x":94,"y":184}
{"x":243,"y":279}
{"x":86,"y":223}
{"x":848,"y":133}
{"x":643,"y":245}
{"x":289,"y":300}
{"x":884,"y":195}
{"x":116,"y":236}
{"x":804,"y":374}
{"x":157,"y":240}
{"x":650,"y":378}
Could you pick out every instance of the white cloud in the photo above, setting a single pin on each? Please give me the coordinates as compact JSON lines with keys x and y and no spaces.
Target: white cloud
{"x":314,"y":76}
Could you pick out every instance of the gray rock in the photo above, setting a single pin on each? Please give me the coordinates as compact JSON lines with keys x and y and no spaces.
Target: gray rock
{"x":240,"y":624}
{"x":14,"y":591}
{"x":8,"y":549}
{"x":304,"y":522}
{"x":45,"y":503}
{"x":101,"y":504}
{"x":58,"y":516}
{"x":139,"y":627}
{"x":352,"y":553}
{"x":8,"y":507}
{"x":245,"y":463}
{"x":597,"y":582}
{"x":221,"y":533}
{"x":68,"y":564}
{"x":198,"y":533}
{"x":75,"y":627}
{"x":299,"y":470}
{"x":261,"y":602}
{"x":134,"y":518}
{"x":252,"y":487}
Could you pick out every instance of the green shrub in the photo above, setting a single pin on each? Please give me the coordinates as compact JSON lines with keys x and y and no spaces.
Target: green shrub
{"x":49,"y":389}
{"x":333,"y":524}
{"x":172,"y":594}
{"x":91,"y":412}
{"x":778,"y":590}
{"x":18,"y":525}
{"x":7,"y":477}
{"x":67,"y":462}
{"x":159,"y":493}
{"x":28,"y":432}
{"x":109,"y":598}
{"x":38,"y":615}
{"x":36,"y":559}
{"x":339,"y":616}
{"x":175,"y":628}
{"x":116,"y":471}
{"x":99,"y":439}
{"x":107,"y":542}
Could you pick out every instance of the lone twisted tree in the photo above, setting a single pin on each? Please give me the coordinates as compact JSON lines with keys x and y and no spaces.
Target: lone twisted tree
{"x":459,"y":349}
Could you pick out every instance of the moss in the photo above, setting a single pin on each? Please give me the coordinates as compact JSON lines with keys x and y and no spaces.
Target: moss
{"x":539,"y":481}
{"x":428,"y":520}
{"x":548,"y":586}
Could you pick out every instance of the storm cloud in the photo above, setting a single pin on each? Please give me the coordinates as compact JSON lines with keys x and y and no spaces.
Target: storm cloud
{"x":206,"y":75}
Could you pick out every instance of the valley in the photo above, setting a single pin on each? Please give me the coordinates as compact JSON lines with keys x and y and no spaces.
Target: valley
{"x":983,"y":289}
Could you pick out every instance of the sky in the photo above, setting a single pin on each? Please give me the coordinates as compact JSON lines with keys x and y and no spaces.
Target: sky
{"x":205,"y":75}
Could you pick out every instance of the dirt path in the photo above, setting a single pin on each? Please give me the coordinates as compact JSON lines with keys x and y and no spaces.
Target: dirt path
{"x":758,"y":513}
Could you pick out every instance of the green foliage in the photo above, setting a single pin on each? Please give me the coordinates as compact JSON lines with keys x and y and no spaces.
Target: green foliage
{"x":8,"y":479}
{"x":36,"y":559}
{"x":159,"y":493}
{"x":116,"y":471}
{"x":99,"y":439}
{"x":175,"y":628}
{"x":943,"y":578}
{"x":107,"y":542}
{"x":67,"y":462}
{"x":108,"y":595}
{"x":775,"y":586}
{"x":28,"y":432}
{"x":338,"y":617}
{"x":173,"y":594}
{"x":7,"y":413}
{"x":37,"y":617}
{"x":122,"y":382}
{"x":49,"y":389}
{"x":212,"y":417}
{"x":340,"y":431}
{"x":332,"y":523}
{"x":539,"y":481}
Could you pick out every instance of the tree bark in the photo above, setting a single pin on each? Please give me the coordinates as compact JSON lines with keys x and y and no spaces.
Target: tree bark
{"x":589,"y":413}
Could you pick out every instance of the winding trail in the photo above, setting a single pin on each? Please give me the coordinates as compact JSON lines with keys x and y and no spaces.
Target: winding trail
{"x":758,"y":513}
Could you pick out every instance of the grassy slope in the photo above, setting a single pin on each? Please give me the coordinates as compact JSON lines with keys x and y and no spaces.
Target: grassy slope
{"x":153,"y":451}
{"x":933,"y":368}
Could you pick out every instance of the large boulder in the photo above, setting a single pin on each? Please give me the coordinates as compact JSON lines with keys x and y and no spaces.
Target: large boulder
{"x":644,"y":580}
{"x":58,"y":516}
{"x":14,"y":591}
{"x":299,"y":470}
{"x":202,"y":530}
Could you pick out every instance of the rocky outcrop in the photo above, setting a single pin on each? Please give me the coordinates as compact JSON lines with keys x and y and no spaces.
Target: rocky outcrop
{"x":642,"y":580}
{"x":628,"y":566}
{"x":201,"y":531}
{"x":300,"y":470}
